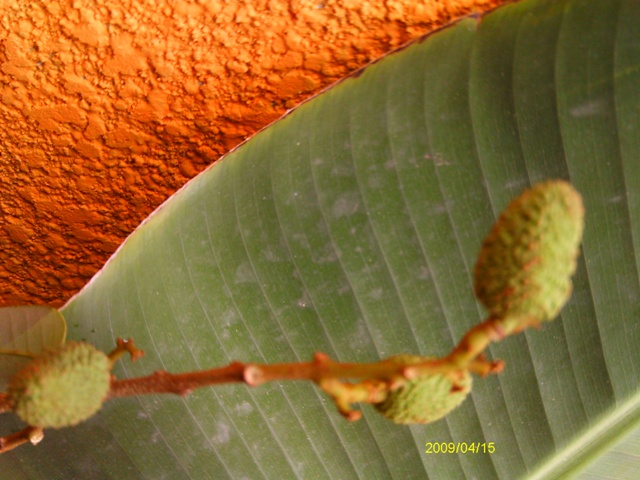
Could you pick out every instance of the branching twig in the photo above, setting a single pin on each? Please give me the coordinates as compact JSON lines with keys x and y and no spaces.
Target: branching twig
{"x":319,"y":370}
{"x":373,"y":380}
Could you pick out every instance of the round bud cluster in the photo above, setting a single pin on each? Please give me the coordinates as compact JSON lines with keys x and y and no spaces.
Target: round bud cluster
{"x":426,"y":398}
{"x":525,"y":265}
{"x":61,"y":388}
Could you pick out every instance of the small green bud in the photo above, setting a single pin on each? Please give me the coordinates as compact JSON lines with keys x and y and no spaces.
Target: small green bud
{"x":525,"y":265}
{"x":424,"y":399}
{"x":61,"y":388}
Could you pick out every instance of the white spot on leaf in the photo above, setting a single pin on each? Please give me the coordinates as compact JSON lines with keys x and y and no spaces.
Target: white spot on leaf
{"x":345,"y":205}
{"x":222,"y":435}
{"x":589,"y":108}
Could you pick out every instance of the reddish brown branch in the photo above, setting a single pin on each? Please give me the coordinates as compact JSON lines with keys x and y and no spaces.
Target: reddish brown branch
{"x":179,"y":384}
{"x":28,"y":434}
{"x":374,"y":380}
{"x":318,"y":370}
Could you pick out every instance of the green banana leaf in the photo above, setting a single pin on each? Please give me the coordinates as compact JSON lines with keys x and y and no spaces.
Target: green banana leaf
{"x":351,"y":227}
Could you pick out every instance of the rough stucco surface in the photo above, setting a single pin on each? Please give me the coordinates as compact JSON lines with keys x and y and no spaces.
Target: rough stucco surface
{"x":108,"y":106}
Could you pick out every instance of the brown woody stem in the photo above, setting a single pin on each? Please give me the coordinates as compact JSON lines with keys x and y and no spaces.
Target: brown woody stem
{"x":28,"y":434}
{"x":373,"y":383}
{"x":318,"y":370}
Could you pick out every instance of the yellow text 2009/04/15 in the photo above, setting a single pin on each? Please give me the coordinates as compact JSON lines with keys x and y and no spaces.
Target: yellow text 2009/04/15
{"x":460,"y":447}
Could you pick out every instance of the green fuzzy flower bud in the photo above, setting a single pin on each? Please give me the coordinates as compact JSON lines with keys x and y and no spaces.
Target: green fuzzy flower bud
{"x":61,"y":388}
{"x":525,"y":265}
{"x":424,"y":399}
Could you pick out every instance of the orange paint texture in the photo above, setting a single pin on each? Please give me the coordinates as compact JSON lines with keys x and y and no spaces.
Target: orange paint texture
{"x":107,"y":107}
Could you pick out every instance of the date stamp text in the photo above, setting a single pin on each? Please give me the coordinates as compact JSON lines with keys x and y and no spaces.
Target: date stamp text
{"x":460,"y":447}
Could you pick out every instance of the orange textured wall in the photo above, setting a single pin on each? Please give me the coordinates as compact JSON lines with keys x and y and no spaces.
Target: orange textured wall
{"x":108,"y":106}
